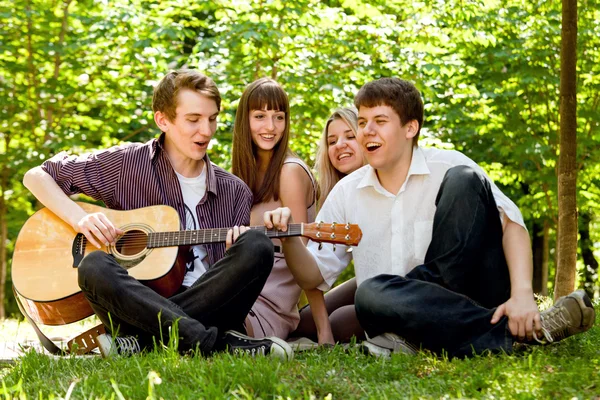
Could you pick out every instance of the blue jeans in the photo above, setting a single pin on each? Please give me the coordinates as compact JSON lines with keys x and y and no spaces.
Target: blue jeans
{"x":446,"y":304}
{"x":219,"y":300}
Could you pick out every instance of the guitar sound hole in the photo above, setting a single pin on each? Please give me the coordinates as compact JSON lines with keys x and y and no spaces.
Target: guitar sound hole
{"x":132,"y":242}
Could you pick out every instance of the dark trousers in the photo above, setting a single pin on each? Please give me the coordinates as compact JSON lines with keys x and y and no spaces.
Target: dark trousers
{"x":446,"y":304}
{"x":219,"y":300}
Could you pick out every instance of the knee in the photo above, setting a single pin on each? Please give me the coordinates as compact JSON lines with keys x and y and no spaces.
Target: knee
{"x":463,"y":178}
{"x":93,"y":270}
{"x":369,"y":298}
{"x":257,"y":249}
{"x":462,"y":182}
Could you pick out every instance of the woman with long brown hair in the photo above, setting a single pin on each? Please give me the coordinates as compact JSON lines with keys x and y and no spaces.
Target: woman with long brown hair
{"x":277,"y":178}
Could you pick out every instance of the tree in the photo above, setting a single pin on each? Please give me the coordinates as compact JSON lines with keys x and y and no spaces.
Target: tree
{"x":567,"y":166}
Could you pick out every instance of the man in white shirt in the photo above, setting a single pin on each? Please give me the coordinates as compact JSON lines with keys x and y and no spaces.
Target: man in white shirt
{"x":445,"y":261}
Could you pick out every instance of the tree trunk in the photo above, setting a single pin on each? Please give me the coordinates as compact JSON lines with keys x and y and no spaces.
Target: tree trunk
{"x":586,"y":246}
{"x":540,"y":249}
{"x":3,"y":261}
{"x":567,"y":172}
{"x":537,"y":248}
{"x":546,"y":258}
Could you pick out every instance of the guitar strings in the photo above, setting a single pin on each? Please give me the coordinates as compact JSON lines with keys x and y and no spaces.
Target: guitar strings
{"x":140,"y":238}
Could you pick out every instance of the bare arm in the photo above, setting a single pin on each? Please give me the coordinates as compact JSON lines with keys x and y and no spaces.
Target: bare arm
{"x":297,"y":193}
{"x":299,"y":260}
{"x":521,"y":309}
{"x":96,"y":227}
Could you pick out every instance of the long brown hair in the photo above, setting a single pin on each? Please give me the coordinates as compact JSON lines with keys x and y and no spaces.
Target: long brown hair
{"x":328,"y":175}
{"x":264,"y":93}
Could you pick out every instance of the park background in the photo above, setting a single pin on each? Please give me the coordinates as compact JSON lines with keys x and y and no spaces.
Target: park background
{"x":78,"y":75}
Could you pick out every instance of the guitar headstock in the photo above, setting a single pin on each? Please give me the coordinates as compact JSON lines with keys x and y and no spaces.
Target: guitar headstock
{"x":348,"y":234}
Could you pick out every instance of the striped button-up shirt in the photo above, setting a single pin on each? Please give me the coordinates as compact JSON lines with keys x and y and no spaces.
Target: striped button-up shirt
{"x":140,"y":174}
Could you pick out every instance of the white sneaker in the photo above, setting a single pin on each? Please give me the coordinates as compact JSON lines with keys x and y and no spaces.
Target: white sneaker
{"x":386,"y":344}
{"x":302,"y":344}
{"x":111,"y":346}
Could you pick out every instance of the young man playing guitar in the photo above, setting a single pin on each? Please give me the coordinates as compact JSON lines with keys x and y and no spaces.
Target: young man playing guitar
{"x":445,"y":260}
{"x":221,"y":282}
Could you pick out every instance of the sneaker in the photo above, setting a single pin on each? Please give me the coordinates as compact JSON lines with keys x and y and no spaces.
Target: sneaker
{"x":237,"y":343}
{"x":302,"y":344}
{"x":570,"y":315}
{"x":111,"y":346}
{"x":386,"y":344}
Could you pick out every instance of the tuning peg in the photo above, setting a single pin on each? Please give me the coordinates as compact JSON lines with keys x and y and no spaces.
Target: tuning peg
{"x":319,"y":224}
{"x":334,"y":247}
{"x":320,"y":245}
{"x":347,"y":226}
{"x":349,"y":249}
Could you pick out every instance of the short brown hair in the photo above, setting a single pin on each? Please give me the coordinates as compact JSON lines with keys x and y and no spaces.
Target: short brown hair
{"x":165,"y":93}
{"x":402,"y":96}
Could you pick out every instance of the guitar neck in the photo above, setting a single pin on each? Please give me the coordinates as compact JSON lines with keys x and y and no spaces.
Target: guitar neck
{"x":215,"y":235}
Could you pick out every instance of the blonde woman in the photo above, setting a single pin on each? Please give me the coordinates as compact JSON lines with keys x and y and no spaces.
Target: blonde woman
{"x":338,"y":155}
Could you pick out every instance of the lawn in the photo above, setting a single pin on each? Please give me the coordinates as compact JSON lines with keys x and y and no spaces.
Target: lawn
{"x":569,"y":369}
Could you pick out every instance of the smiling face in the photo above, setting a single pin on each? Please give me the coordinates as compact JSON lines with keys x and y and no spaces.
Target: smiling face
{"x":342,"y":147}
{"x":266,"y":128}
{"x":386,"y":143}
{"x":188,"y":135}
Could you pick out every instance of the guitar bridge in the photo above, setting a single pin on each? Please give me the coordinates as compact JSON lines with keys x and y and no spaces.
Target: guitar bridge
{"x":78,"y":249}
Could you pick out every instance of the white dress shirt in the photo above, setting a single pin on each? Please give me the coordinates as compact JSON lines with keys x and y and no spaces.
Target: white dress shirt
{"x":396,"y":227}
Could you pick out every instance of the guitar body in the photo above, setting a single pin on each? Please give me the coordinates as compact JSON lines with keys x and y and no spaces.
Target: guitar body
{"x":48,"y":252}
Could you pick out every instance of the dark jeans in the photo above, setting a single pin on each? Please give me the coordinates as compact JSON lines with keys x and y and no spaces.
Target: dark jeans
{"x":446,"y":304}
{"x":219,"y":300}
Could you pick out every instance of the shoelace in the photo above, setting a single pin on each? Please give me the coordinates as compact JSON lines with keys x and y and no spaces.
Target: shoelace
{"x":252,"y":352}
{"x":554,"y":326}
{"x":127,"y":345}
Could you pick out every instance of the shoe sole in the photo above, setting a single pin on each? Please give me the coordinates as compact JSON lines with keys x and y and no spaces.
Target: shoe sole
{"x":391,"y":345}
{"x":302,"y":345}
{"x":104,"y":343}
{"x":288,"y":352}
{"x":372,"y":349}
{"x":588,"y":314}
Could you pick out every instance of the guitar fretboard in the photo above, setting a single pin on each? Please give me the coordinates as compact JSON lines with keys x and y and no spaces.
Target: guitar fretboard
{"x":216,"y":235}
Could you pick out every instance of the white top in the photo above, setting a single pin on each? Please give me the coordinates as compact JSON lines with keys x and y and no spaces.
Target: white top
{"x":396,"y":227}
{"x":193,"y":190}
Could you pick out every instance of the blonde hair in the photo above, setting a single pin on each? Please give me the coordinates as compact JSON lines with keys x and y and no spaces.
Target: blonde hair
{"x":328,"y":175}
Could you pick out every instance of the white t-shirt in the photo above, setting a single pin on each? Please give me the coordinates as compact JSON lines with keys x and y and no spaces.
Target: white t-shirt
{"x":396,"y":228}
{"x":193,"y":190}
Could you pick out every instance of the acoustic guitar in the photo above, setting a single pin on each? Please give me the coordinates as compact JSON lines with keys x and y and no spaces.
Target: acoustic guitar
{"x":48,"y":252}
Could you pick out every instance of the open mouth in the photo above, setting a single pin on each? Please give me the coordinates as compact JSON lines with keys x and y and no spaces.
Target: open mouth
{"x":201,"y":144}
{"x":267,"y":137}
{"x":344,"y":155}
{"x":372,"y":146}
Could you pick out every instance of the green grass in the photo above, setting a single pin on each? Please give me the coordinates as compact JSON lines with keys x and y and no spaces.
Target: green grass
{"x":569,"y":369}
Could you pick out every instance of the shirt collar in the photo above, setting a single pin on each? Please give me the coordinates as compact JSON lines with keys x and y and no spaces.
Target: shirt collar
{"x":157,"y":148}
{"x":418,"y":166}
